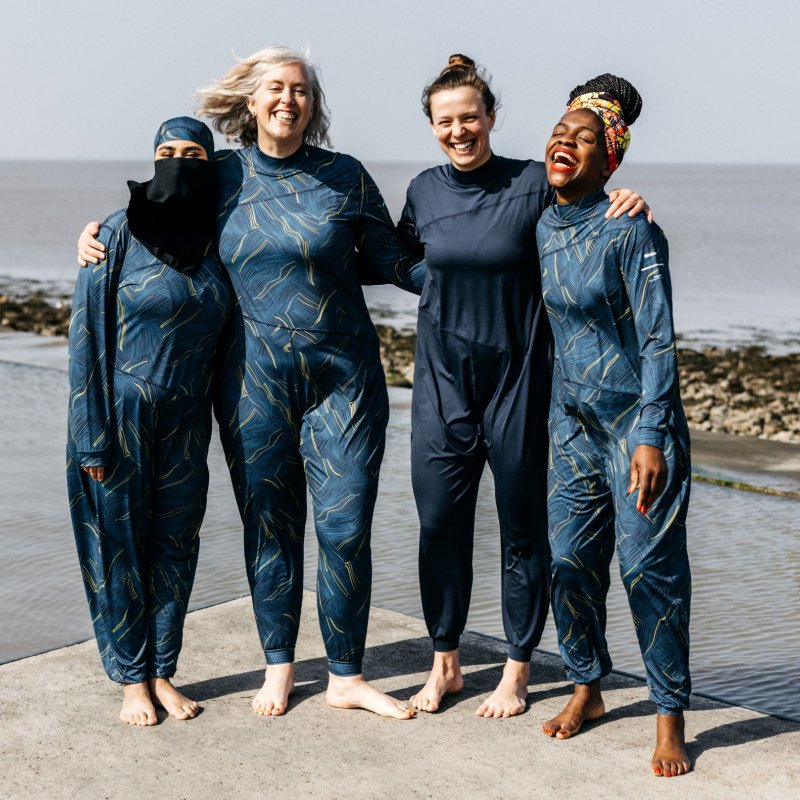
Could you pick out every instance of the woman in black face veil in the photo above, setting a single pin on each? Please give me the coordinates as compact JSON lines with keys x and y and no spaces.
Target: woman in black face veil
{"x":145,"y":324}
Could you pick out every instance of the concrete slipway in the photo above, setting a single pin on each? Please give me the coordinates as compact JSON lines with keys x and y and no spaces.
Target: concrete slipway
{"x":61,"y":737}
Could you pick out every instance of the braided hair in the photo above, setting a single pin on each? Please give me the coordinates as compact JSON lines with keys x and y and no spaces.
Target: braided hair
{"x":621,"y":90}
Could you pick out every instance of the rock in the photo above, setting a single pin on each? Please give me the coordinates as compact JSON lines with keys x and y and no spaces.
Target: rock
{"x":746,"y":392}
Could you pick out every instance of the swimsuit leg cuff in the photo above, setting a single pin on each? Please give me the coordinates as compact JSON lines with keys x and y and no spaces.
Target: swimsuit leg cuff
{"x":520,"y":653}
{"x":582,"y":679}
{"x":285,"y":656}
{"x":345,"y":669}
{"x":442,"y":644}
{"x":669,"y":712}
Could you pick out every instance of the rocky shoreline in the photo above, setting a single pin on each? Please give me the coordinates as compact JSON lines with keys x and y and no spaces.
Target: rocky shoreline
{"x":746,"y":391}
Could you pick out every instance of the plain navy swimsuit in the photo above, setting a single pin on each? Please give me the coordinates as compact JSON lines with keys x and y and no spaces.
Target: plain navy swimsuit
{"x":481,"y":390}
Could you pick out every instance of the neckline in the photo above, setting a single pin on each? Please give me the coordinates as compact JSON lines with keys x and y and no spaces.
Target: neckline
{"x":585,"y":203}
{"x":272,"y":165}
{"x":478,"y":176}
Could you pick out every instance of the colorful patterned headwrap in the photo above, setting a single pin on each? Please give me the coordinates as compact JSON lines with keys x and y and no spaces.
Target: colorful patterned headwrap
{"x":618,"y":136}
{"x":185,"y":129}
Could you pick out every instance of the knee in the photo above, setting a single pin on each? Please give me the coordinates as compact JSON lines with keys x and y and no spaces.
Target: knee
{"x":567,"y":572}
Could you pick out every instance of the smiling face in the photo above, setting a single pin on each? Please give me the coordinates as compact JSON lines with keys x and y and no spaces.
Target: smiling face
{"x":462,"y":126}
{"x":180,"y":148}
{"x":575,"y":156}
{"x":282,"y":108}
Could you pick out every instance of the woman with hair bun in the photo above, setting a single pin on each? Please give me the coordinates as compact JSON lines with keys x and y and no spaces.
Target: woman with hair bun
{"x":620,"y":470}
{"x":481,"y":380}
{"x":302,"y":402}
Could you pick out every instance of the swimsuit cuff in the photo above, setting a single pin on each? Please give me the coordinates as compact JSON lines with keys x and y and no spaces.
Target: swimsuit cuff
{"x":444,"y":644}
{"x":92,"y":458}
{"x":652,"y":437}
{"x":522,"y":654}
{"x":285,"y":656}
{"x":669,"y":711}
{"x":344,"y":669}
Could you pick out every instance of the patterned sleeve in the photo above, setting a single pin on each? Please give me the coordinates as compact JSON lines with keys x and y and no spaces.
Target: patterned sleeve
{"x":90,"y":350}
{"x":380,"y":244}
{"x":645,"y":270}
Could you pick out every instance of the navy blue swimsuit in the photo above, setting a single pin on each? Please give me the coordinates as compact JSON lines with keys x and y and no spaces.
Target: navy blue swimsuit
{"x":607,"y":291}
{"x":481,"y":389}
{"x":303,"y":400}
{"x":141,"y":344}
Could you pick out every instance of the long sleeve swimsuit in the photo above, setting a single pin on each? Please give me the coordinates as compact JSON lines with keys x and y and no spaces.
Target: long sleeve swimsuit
{"x":141,"y":341}
{"x":607,"y":291}
{"x":303,"y":400}
{"x":481,"y":390}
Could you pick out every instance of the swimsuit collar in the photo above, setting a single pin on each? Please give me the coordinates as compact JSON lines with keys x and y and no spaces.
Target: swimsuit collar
{"x":475,"y":177}
{"x":270,"y":165}
{"x":581,"y":208}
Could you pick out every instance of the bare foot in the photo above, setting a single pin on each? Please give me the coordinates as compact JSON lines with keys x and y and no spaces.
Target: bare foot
{"x":508,"y":699}
{"x":355,"y":692}
{"x":670,"y":757}
{"x":137,"y":707}
{"x":273,"y":697}
{"x":586,"y":704}
{"x":445,"y":678}
{"x":175,"y":703}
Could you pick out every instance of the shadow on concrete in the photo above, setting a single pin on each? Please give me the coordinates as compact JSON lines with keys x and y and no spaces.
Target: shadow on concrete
{"x":733,"y":734}
{"x":405,"y":657}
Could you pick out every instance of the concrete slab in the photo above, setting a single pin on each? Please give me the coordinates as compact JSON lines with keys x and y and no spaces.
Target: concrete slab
{"x":61,"y":737}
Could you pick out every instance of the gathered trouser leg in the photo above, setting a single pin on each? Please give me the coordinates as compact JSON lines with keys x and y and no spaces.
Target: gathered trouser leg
{"x":301,"y":411}
{"x":473,"y":404}
{"x":590,"y":512}
{"x":137,"y":531}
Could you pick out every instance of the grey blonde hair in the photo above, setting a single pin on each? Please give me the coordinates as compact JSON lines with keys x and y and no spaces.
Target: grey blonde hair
{"x":225,"y":102}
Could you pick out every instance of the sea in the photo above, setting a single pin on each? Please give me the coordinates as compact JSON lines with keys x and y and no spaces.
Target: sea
{"x":736,"y":282}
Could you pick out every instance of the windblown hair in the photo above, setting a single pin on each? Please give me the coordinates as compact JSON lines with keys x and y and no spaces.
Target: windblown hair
{"x":461,"y":71}
{"x":621,"y":90}
{"x":225,"y":102}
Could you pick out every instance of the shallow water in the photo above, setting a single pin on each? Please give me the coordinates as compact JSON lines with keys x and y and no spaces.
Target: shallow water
{"x":744,"y":550}
{"x":733,"y":257}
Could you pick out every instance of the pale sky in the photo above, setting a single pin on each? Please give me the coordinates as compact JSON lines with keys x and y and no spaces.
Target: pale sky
{"x":91,"y":79}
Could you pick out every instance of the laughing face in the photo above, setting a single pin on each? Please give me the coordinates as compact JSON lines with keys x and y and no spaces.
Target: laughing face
{"x":282,"y":108}
{"x":461,"y":124}
{"x":575,"y":156}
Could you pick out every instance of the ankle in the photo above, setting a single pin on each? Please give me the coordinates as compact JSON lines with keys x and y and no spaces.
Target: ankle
{"x":516,"y":669}
{"x":447,"y":662}
{"x":587,"y":692}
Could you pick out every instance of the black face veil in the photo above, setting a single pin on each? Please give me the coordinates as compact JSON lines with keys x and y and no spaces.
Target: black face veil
{"x":173,"y":214}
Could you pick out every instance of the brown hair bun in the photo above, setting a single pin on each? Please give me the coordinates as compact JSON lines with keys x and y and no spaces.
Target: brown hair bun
{"x":458,"y":61}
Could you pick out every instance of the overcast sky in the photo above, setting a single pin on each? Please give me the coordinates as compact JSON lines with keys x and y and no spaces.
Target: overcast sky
{"x":90,"y":79}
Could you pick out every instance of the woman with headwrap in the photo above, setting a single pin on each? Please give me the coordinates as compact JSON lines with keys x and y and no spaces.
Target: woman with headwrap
{"x":145,"y":324}
{"x":620,"y":471}
{"x":481,"y":380}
